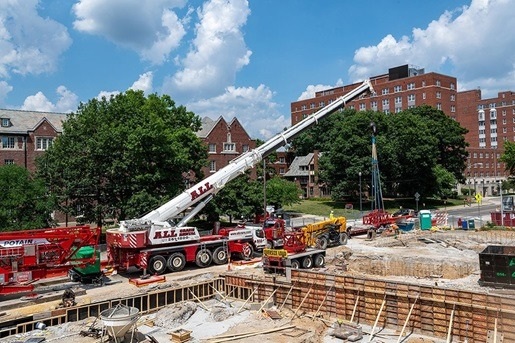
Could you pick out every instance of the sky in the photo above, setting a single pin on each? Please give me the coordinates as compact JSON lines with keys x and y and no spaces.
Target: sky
{"x":247,"y":59}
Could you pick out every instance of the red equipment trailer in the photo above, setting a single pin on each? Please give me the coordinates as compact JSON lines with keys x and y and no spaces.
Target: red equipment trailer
{"x":30,"y":255}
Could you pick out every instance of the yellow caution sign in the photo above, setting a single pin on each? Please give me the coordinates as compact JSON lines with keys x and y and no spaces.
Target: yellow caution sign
{"x":275,"y":252}
{"x":479,"y":198}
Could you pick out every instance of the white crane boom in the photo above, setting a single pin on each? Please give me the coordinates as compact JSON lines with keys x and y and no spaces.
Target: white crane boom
{"x":212,"y":184}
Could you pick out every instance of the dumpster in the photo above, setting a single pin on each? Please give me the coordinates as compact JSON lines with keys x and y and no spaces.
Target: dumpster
{"x":464,"y":225}
{"x":472,"y":224}
{"x":425,"y":219}
{"x":497,"y":265}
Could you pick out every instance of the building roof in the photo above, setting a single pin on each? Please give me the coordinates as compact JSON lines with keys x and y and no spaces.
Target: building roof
{"x":207,"y":125}
{"x":26,"y":121}
{"x":298,"y":162}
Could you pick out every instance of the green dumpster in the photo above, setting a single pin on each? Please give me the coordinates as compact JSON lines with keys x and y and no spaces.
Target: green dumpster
{"x":425,"y":219}
{"x":472,"y":224}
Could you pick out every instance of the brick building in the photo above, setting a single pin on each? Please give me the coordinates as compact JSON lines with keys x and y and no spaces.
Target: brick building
{"x":490,"y":121}
{"x":225,"y":141}
{"x":26,"y":135}
{"x":303,"y":171}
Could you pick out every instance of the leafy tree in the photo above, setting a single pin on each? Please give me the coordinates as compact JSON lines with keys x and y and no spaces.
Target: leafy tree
{"x":281,"y":192}
{"x":242,"y":197}
{"x":508,"y":157}
{"x":410,"y":144}
{"x":25,"y":200}
{"x":124,"y":156}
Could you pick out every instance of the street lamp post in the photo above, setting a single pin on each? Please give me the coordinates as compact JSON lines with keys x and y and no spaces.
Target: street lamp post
{"x":360,"y":202}
{"x":502,"y":213}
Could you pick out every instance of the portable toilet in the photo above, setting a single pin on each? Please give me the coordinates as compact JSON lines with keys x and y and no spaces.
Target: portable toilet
{"x":425,"y":219}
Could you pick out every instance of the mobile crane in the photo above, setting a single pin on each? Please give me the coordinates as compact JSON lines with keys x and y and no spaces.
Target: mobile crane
{"x":151,"y":243}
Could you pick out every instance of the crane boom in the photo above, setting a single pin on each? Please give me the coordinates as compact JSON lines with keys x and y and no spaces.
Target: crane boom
{"x":215,"y":182}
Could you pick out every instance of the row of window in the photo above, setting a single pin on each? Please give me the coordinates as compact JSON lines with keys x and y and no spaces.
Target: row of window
{"x":227,"y":147}
{"x":42,"y":143}
{"x":212,"y":168}
{"x":493,"y":105}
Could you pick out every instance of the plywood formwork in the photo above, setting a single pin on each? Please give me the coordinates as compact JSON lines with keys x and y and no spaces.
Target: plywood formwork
{"x":432,"y":310}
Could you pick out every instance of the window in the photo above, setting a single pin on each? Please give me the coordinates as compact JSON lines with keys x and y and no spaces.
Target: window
{"x":282,"y":160}
{"x":411,"y":86}
{"x":453,"y":97}
{"x":424,"y":95}
{"x":411,"y":97}
{"x":362,"y":107}
{"x":321,"y":104}
{"x":423,"y":83}
{"x":212,"y":148}
{"x":398,"y":100}
{"x":8,"y":161}
{"x":8,"y":142}
{"x":6,"y":122}
{"x":212,"y":166}
{"x":439,"y":106}
{"x":453,"y":108}
{"x":438,"y":83}
{"x":493,"y":113}
{"x":438,"y":95}
{"x":245,"y":147}
{"x":43,"y":143}
{"x":312,"y":105}
{"x":281,"y":171}
{"x":493,"y":130}
{"x":386,"y":111}
{"x":373,"y":104}
{"x":398,"y":109}
{"x":397,"y":89}
{"x":385,"y":91}
{"x":452,"y":86}
{"x":229,"y":147}
{"x":386,"y":102}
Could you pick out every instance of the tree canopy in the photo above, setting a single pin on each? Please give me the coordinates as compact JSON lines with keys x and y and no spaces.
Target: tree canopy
{"x":414,"y":148}
{"x":25,"y":201}
{"x":122,"y":157}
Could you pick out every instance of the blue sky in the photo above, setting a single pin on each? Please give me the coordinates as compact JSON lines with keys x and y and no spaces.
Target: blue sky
{"x":239,"y":58}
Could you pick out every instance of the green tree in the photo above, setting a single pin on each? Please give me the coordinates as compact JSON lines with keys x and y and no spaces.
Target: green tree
{"x":124,"y":156}
{"x":281,"y":192}
{"x":242,"y":197}
{"x":25,"y":201}
{"x":410,"y":144}
{"x":508,"y":157}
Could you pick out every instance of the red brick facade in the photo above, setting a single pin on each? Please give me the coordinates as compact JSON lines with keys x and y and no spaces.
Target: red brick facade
{"x":26,"y":135}
{"x":224,"y":141}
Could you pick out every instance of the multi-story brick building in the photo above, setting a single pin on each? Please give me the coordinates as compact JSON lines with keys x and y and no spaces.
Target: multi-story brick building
{"x":26,"y":135}
{"x":303,"y":171}
{"x":490,"y":122}
{"x":225,"y":141}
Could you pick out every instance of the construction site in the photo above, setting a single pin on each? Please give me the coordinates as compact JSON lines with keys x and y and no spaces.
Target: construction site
{"x":414,"y":287}
{"x":391,"y":277}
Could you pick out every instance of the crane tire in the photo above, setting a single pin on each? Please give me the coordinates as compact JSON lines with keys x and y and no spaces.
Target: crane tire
{"x":203,"y":258}
{"x":247,"y":252}
{"x":307,"y":262}
{"x":319,"y":260}
{"x":322,"y":242}
{"x":344,"y":238}
{"x":220,"y":255}
{"x":157,"y":265}
{"x":176,"y":262}
{"x":295,"y":264}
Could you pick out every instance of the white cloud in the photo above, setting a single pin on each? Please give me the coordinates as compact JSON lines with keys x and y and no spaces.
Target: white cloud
{"x":107,"y":94}
{"x":253,"y":107}
{"x":218,"y":52}
{"x":473,"y":43}
{"x":29,"y":43}
{"x":144,"y":83}
{"x":150,"y":28}
{"x":67,"y":102}
{"x":312,"y":89}
{"x":5,"y":88}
